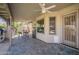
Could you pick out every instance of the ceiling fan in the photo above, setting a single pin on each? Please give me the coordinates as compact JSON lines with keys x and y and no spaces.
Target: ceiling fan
{"x":45,"y":9}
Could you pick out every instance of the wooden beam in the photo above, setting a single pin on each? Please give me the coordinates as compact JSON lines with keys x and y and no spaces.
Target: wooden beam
{"x":2,"y":6}
{"x":3,"y":11}
{"x":5,"y":14}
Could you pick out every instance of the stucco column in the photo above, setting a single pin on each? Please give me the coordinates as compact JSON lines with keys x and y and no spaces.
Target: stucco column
{"x":46,"y":24}
{"x":9,"y":32}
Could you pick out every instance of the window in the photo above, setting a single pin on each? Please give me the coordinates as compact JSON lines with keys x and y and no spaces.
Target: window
{"x":40,"y":26}
{"x":52,"y":25}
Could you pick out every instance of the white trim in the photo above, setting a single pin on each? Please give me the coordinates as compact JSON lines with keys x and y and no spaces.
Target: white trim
{"x":77,"y":29}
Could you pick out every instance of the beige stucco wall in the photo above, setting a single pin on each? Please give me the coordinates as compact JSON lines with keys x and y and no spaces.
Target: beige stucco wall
{"x":59,"y":23}
{"x":49,"y":38}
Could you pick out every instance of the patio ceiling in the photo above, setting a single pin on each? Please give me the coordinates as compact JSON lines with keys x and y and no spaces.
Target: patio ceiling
{"x":4,"y":11}
{"x":29,"y":11}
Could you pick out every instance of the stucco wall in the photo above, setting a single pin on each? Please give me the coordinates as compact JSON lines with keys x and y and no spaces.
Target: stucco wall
{"x":58,"y":37}
{"x":49,"y":38}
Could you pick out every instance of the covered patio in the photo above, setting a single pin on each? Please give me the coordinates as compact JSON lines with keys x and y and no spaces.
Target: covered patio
{"x":53,"y":29}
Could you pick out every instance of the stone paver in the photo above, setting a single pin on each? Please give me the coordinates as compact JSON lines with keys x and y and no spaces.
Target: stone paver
{"x":29,"y":46}
{"x":4,"y":46}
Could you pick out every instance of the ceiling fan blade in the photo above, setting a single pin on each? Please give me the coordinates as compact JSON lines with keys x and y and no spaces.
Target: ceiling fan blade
{"x":53,"y":6}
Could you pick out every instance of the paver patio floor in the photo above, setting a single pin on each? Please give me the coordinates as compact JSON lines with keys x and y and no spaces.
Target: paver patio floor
{"x":4,"y":46}
{"x":30,"y":46}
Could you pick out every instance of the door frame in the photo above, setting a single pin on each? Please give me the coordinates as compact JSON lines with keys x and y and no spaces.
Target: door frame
{"x":77,"y":24}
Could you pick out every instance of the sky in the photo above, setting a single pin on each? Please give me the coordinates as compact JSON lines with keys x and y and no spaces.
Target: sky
{"x":2,"y":21}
